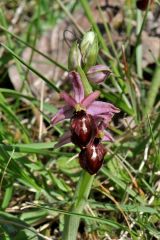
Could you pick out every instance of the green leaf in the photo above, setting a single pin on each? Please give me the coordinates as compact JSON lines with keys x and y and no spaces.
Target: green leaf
{"x":7,"y":196}
{"x":17,"y":229}
{"x":31,"y":69}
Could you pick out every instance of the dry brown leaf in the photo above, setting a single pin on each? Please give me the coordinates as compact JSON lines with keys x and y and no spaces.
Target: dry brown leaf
{"x":151,"y":49}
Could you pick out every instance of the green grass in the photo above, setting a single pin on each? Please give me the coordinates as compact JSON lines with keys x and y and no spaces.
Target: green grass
{"x":37,"y":182}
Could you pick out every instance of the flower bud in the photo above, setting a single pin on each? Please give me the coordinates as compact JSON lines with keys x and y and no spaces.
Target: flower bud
{"x":91,"y":157}
{"x":89,"y":49}
{"x":74,"y":58}
{"x":83,"y":129}
{"x":98,"y":73}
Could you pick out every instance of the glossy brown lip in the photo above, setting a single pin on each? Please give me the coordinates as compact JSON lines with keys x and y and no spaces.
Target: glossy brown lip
{"x":91,"y":157}
{"x":83,"y":129}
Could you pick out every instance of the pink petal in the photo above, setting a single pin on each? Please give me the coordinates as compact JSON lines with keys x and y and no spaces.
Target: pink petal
{"x":103,"y":119}
{"x":90,"y":99}
{"x":63,"y":113}
{"x":66,"y":138}
{"x":107,"y":137}
{"x":69,"y":100}
{"x":78,"y":90}
{"x":97,"y":77}
{"x":98,"y":107}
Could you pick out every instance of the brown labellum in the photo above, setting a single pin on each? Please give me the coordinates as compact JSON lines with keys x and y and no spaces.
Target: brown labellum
{"x":83,"y":129}
{"x":91,"y":157}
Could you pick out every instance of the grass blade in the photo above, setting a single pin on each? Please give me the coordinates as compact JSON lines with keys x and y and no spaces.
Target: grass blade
{"x":32,"y":69}
{"x":35,"y":49}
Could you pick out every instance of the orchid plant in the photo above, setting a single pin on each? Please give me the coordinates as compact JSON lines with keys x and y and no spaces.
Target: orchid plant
{"x":89,"y":117}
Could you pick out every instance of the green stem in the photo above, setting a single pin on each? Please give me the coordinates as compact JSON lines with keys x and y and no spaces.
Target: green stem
{"x":138,"y":40}
{"x":71,"y":222}
{"x":82,"y":192}
{"x":87,"y":87}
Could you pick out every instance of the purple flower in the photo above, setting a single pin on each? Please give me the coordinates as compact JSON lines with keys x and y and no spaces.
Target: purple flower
{"x":101,"y":112}
{"x":78,"y":102}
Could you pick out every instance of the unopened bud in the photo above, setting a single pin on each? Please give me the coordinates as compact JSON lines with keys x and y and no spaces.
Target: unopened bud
{"x":98,"y":73}
{"x":89,"y":49}
{"x":74,"y":59}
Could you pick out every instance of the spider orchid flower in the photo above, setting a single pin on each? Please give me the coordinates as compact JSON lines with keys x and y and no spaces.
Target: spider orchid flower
{"x":89,"y":117}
